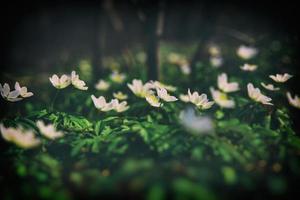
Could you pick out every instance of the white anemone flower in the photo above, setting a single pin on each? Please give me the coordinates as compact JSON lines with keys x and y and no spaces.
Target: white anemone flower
{"x":117,"y":77}
{"x":60,"y":83}
{"x":225,"y":86}
{"x":281,"y":78}
{"x":23,"y":90}
{"x":159,"y":85}
{"x":293,"y":101}
{"x":120,"y":95}
{"x":197,"y":125}
{"x":23,"y":138}
{"x":76,"y":82}
{"x":8,"y":95}
{"x":102,"y":85}
{"x":246,"y":53}
{"x":200,"y":101}
{"x":222,"y":99}
{"x":119,"y":106}
{"x":184,"y":97}
{"x":163,"y":94}
{"x":216,"y":61}
{"x":248,"y":67}
{"x":256,"y":95}
{"x":153,"y":100}
{"x":270,"y":87}
{"x":101,"y":104}
{"x":139,"y":89}
{"x":49,"y":131}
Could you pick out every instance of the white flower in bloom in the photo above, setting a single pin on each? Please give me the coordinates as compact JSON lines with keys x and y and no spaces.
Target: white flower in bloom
{"x":60,"y":83}
{"x":214,"y":50}
{"x":139,"y":89}
{"x":246,"y":52}
{"x":200,"y":101}
{"x":256,"y":95}
{"x":157,"y":84}
{"x":23,"y":138}
{"x":102,"y":85}
{"x":248,"y":67}
{"x":79,"y":84}
{"x":270,"y":87}
{"x":216,"y":61}
{"x":163,"y":94}
{"x":153,"y":100}
{"x":281,"y":78}
{"x":101,"y":104}
{"x":197,"y":125}
{"x":117,"y":77}
{"x":293,"y":101}
{"x":120,"y":95}
{"x":8,"y":95}
{"x":222,"y":99}
{"x":184,"y":97}
{"x":22,"y":90}
{"x":225,"y":86}
{"x":49,"y":131}
{"x":119,"y":106}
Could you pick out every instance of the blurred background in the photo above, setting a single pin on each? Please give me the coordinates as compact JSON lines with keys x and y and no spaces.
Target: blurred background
{"x":40,"y":36}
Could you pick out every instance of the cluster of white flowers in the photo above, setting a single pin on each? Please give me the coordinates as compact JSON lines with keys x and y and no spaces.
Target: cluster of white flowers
{"x":101,"y":104}
{"x":27,"y":138}
{"x":15,"y":95}
{"x":65,"y":80}
{"x":148,"y":90}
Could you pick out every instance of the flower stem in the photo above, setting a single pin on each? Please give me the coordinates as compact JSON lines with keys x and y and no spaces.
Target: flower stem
{"x":53,"y":101}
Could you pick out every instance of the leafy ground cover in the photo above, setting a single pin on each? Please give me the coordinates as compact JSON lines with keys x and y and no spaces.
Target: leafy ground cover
{"x":178,"y":149}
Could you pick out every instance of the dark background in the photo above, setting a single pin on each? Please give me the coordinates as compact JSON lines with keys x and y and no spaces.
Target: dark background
{"x":39,"y":35}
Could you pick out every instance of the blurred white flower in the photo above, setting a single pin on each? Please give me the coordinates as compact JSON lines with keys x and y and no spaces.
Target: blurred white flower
{"x":214,"y":50}
{"x":157,"y":84}
{"x":49,"y":131}
{"x":225,"y":86}
{"x":117,"y":77}
{"x":139,"y":89}
{"x":185,"y":68}
{"x":197,"y":125}
{"x":246,"y":52}
{"x":153,"y":100}
{"x":8,"y":95}
{"x":256,"y":95}
{"x":60,"y":83}
{"x":163,"y":94}
{"x":216,"y":61}
{"x":293,"y":101}
{"x":23,"y":90}
{"x":79,"y":84}
{"x":102,"y":85}
{"x":281,"y":78}
{"x":184,"y":97}
{"x":23,"y":138}
{"x":248,"y":67}
{"x":119,"y":106}
{"x":222,"y":99}
{"x":200,"y":101}
{"x":120,"y":95}
{"x":101,"y":104}
{"x":270,"y":87}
